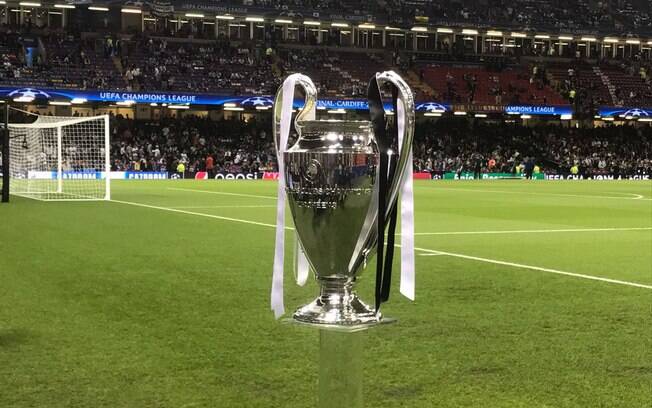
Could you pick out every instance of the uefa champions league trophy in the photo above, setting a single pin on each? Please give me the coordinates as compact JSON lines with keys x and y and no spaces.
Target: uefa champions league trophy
{"x":342,"y":180}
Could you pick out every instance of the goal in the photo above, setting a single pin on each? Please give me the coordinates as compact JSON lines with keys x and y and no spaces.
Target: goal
{"x":60,"y":158}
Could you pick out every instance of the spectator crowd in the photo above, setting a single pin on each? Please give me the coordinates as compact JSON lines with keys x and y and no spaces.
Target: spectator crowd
{"x":447,"y":145}
{"x":615,"y":15}
{"x":455,"y":145}
{"x":233,"y":146}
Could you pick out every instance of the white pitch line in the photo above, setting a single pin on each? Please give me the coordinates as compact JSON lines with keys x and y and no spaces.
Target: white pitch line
{"x":535,"y":268}
{"x":217,"y":217}
{"x":636,"y":196}
{"x":469,"y":190}
{"x":437,"y":254}
{"x":225,"y":206}
{"x":534,"y":231}
{"x":222,"y":193}
{"x":430,"y":251}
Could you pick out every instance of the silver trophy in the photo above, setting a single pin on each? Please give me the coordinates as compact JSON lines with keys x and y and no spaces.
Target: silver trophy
{"x":333,"y":185}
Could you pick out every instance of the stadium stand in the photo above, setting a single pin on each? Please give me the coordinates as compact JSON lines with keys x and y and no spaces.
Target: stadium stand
{"x":440,"y":146}
{"x":617,"y":84}
{"x":63,"y":62}
{"x":248,"y":64}
{"x":442,"y":65}
{"x":337,"y":73}
{"x":475,"y":84}
{"x":449,"y":145}
{"x":607,"y":15}
{"x":236,"y":146}
{"x":215,"y":67}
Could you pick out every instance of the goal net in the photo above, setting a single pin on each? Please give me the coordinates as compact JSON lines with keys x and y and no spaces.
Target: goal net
{"x":60,"y":158}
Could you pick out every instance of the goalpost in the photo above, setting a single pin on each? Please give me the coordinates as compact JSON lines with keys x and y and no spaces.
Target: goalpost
{"x":60,"y":158}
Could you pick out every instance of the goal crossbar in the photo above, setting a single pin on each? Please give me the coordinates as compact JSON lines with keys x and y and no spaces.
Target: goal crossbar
{"x":50,"y":121}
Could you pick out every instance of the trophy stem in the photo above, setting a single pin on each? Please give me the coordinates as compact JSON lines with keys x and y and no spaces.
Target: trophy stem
{"x":337,"y":305}
{"x":340,"y":369}
{"x":338,"y":287}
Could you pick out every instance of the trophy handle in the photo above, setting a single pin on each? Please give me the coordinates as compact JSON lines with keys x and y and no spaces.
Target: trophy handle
{"x":282,"y":120}
{"x":404,"y":95}
{"x":306,"y":113}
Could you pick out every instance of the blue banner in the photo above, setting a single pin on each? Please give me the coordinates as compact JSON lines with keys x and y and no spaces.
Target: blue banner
{"x":66,"y":175}
{"x":538,"y":110}
{"x":624,"y":112}
{"x":72,"y":95}
{"x":348,"y":104}
{"x":145,"y":175}
{"x":432,"y":107}
{"x":186,"y":98}
{"x":363,"y":104}
{"x":80,"y":175}
{"x":251,"y":101}
{"x":98,"y":175}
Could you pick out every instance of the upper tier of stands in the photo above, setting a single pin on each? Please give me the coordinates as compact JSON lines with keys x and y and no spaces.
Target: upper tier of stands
{"x":215,"y":67}
{"x":61,"y":61}
{"x":474,"y":84}
{"x":610,"y":15}
{"x":336,"y":73}
{"x":123,"y":62}
{"x":625,"y":84}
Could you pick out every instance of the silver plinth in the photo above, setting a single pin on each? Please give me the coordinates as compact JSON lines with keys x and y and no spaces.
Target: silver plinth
{"x":341,"y":356}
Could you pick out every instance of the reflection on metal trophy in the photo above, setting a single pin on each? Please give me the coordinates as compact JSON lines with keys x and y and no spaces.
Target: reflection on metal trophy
{"x":340,"y":177}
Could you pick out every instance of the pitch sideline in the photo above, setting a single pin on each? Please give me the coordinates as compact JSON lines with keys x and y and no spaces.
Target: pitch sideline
{"x":535,"y":268}
{"x":474,"y":190}
{"x":429,"y":251}
{"x":609,"y":229}
{"x":636,"y":196}
{"x":194,"y":190}
{"x":217,"y":217}
{"x":221,"y":206}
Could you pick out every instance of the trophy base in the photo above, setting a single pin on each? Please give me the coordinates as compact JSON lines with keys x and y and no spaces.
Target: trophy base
{"x":346,"y":310}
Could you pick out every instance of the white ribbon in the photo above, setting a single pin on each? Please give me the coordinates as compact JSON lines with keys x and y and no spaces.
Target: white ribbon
{"x":301,"y":265}
{"x":407,"y":213}
{"x":277,"y":304}
{"x":287,"y":99}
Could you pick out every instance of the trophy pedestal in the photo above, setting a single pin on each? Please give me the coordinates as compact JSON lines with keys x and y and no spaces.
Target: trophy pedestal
{"x":340,"y":369}
{"x":338,"y":305}
{"x":341,"y":357}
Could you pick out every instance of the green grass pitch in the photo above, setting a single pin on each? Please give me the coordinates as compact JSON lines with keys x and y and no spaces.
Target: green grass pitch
{"x":166,"y":303}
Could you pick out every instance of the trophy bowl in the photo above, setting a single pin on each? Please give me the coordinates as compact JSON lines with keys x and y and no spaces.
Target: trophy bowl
{"x":330,"y":176}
